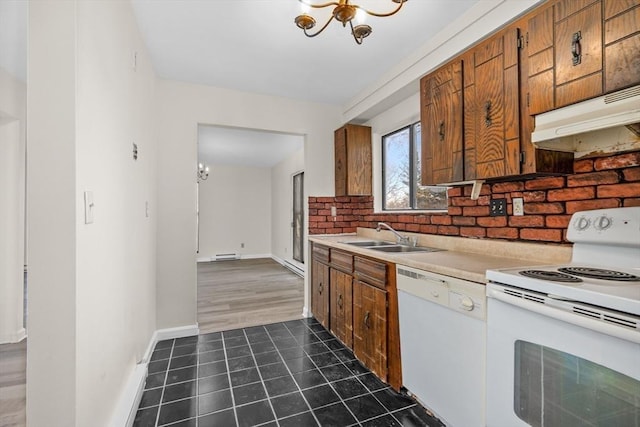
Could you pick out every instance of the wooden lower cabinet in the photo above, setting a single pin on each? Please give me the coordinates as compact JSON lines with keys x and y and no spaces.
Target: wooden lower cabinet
{"x":320,"y":290}
{"x":370,"y":327}
{"x":341,"y":307}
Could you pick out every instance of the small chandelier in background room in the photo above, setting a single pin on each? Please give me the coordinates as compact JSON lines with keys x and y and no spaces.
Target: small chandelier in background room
{"x":203,"y":172}
{"x":344,"y":12}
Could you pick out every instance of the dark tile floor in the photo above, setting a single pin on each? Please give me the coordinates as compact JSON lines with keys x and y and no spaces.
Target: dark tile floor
{"x":284,"y":374}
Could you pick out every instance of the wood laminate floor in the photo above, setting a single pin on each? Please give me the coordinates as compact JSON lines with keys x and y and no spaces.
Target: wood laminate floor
{"x":243,"y":293}
{"x":13,"y":368}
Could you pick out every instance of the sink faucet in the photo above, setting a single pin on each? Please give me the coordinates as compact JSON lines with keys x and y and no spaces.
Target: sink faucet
{"x":400,"y":239}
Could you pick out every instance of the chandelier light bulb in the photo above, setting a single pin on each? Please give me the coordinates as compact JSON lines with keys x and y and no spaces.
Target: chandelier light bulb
{"x":305,"y":8}
{"x":361,"y":16}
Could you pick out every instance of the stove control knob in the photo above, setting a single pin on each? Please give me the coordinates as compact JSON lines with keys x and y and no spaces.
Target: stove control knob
{"x":603,"y":222}
{"x":582,"y":223}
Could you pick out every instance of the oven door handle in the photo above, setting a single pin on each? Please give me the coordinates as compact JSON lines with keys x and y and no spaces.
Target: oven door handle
{"x":563,"y":311}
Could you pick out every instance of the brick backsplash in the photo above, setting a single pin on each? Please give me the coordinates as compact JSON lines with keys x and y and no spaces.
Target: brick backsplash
{"x":549,"y":202}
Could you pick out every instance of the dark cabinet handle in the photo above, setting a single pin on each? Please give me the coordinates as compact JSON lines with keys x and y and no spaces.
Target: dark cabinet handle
{"x":576,"y":48}
{"x":340,"y":301}
{"x":320,"y":288}
{"x":487,"y":113}
{"x":366,"y":319}
{"x":441,"y":130}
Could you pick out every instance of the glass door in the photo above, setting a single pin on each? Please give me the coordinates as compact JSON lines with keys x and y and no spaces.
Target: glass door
{"x":298,"y":217}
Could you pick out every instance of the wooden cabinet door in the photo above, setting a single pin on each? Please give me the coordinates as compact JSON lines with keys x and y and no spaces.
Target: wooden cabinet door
{"x":622,"y":44}
{"x":370,"y":327}
{"x":341,"y":324}
{"x":353,"y":161}
{"x":539,"y":46}
{"x":441,"y":119}
{"x":320,"y":292}
{"x":491,"y":108}
{"x":578,"y":51}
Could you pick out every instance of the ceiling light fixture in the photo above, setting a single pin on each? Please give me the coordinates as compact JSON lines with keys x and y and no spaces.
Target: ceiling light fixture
{"x":344,"y":12}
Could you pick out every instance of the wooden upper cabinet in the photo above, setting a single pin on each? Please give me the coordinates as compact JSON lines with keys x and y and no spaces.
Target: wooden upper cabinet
{"x":580,"y":49}
{"x":441,"y":118}
{"x":491,"y":108}
{"x":622,"y":44}
{"x":353,"y":161}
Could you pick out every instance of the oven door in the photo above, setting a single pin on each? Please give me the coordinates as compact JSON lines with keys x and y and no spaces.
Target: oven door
{"x":543,"y":371}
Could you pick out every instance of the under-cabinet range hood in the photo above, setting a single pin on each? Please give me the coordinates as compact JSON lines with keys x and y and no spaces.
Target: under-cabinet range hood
{"x":609,"y":123}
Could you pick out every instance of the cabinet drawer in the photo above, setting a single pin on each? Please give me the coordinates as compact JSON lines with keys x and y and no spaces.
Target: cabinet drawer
{"x":371,"y":272}
{"x":321,"y":253}
{"x":342,"y":260}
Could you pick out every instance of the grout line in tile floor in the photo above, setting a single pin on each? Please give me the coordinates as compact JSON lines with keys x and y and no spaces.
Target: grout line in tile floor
{"x":295,"y":362}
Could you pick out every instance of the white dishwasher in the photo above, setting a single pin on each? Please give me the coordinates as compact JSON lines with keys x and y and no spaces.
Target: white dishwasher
{"x":442,"y":344}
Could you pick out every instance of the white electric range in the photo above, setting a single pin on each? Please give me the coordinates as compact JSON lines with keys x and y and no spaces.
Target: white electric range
{"x":563,"y":344}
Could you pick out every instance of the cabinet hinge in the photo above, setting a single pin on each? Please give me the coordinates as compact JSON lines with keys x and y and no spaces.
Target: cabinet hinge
{"x":527,"y":38}
{"x":528,"y":99}
{"x":521,"y":42}
{"x":522,"y":157}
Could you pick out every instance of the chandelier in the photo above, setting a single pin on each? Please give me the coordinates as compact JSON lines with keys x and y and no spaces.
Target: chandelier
{"x":344,"y":12}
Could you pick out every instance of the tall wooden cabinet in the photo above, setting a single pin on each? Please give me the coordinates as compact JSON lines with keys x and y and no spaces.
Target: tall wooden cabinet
{"x":491,"y":108}
{"x":353,"y":160}
{"x":441,"y":118}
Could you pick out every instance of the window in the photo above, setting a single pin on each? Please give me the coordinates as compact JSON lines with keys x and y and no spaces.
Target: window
{"x":401,"y":186}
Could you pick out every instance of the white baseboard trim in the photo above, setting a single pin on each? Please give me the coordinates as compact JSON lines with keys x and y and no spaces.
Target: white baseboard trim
{"x":305,"y":312}
{"x":12,"y":338}
{"x":246,"y":256}
{"x":125,"y":412}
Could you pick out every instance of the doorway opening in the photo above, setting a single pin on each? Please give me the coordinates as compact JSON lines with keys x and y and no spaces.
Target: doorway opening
{"x":245,"y":226}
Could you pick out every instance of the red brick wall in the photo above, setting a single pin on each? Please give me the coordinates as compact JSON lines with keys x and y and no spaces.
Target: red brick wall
{"x":605,"y":182}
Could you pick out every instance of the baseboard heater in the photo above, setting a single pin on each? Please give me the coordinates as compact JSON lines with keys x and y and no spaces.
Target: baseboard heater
{"x":294,"y":268}
{"x":226,"y":257}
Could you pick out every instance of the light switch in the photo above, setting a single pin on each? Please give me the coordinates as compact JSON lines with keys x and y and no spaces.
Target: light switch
{"x":88,"y":207}
{"x":334,"y":211}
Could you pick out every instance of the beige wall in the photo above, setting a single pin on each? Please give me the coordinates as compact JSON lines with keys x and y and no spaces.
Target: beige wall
{"x":184,"y":106}
{"x":235,"y":209}
{"x":92,"y":286}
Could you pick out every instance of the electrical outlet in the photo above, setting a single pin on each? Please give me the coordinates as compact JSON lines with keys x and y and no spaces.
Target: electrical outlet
{"x":498,"y":207}
{"x":518,"y":206}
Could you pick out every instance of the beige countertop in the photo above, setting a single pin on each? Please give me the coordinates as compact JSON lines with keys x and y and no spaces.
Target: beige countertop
{"x":461,"y":257}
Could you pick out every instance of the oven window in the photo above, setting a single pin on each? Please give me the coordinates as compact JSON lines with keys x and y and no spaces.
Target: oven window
{"x":557,"y":389}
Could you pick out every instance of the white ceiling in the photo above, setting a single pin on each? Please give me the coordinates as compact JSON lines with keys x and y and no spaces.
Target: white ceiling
{"x":219,"y":145}
{"x":254,"y":45}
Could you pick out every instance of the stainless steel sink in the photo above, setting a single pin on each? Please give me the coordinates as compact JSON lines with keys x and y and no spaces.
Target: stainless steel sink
{"x":369,"y":243}
{"x":382,"y":246}
{"x":402,"y":248}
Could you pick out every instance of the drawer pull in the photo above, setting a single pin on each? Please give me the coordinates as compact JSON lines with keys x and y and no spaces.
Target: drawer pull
{"x":340,"y":300}
{"x":320,"y":288}
{"x":435,"y":294}
{"x":366,"y":319}
{"x":441,"y":131}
